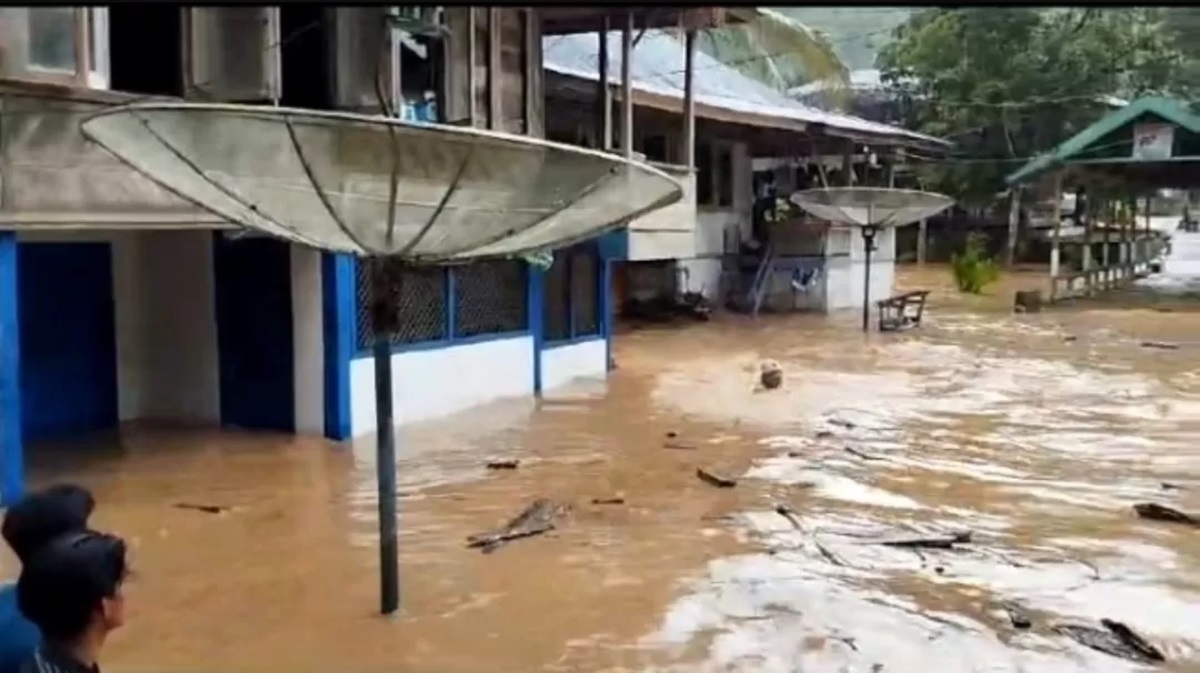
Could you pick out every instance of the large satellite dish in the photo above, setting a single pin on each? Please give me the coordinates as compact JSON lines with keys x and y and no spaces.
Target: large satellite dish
{"x":325,"y":179}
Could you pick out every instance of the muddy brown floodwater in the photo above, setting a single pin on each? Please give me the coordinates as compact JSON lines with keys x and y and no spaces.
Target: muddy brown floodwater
{"x":1036,"y":432}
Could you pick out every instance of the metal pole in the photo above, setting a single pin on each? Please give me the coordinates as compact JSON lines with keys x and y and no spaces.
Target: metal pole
{"x":868,"y":236}
{"x":384,"y":323}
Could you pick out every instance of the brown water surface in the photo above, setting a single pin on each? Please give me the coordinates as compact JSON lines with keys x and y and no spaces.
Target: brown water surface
{"x":1036,"y":432}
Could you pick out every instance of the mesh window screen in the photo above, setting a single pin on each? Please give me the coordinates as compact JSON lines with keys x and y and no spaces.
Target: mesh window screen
{"x":584,"y":292}
{"x":490,"y":297}
{"x":420,"y":293}
{"x":555,"y":318}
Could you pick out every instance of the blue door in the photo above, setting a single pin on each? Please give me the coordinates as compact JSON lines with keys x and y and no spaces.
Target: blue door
{"x":254,"y":332}
{"x":68,"y":346}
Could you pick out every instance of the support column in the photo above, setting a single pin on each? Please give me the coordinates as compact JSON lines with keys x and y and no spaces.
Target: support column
{"x":1014,"y":224}
{"x":340,"y":326}
{"x":689,"y":101}
{"x":535,"y":298}
{"x":1055,"y":245}
{"x":922,"y":238}
{"x":627,"y":86}
{"x":12,"y":452}
{"x":604,"y":118}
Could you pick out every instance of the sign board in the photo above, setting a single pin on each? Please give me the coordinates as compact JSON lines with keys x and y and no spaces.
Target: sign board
{"x":1153,"y":142}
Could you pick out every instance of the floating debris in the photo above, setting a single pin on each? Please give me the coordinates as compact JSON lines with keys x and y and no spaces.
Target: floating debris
{"x":770,"y":375}
{"x":786,"y":511}
{"x":1115,"y":639}
{"x":855,"y":452}
{"x":1156,"y":512}
{"x":929,"y":542}
{"x":536,"y":519}
{"x":715,"y":480}
{"x":1160,"y":345}
{"x":503,"y":464}
{"x":824,"y":434}
{"x":207,"y":509}
{"x":616,"y":500}
{"x":1017,"y":617}
{"x":678,"y":446}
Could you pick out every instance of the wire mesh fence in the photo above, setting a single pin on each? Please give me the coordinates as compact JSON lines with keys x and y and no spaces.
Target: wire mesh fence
{"x":418,"y":292}
{"x":556,"y":317}
{"x":585,"y":304}
{"x":490,"y":298}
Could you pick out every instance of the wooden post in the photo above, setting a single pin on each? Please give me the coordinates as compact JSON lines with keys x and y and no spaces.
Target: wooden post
{"x":627,"y":86}
{"x":689,"y":100}
{"x":1014,"y":223}
{"x":604,"y":119}
{"x":1146,"y":238}
{"x":922,"y":235}
{"x":1055,"y":244}
{"x":1088,"y":271}
{"x":472,"y":48}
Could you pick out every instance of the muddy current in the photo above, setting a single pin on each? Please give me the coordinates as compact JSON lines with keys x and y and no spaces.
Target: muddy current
{"x":1036,"y":433}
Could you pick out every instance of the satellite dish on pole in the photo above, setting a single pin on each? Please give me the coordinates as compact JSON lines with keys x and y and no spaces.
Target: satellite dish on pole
{"x":870,"y":209}
{"x":381,"y":187}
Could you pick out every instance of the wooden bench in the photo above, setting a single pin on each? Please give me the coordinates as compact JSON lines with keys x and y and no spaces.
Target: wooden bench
{"x":901,"y":312}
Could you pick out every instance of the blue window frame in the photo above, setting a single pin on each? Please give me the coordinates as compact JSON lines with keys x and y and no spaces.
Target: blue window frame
{"x":572,"y":306}
{"x":441,"y":306}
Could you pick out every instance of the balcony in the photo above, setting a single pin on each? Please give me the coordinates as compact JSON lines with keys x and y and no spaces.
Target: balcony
{"x":668,"y":233}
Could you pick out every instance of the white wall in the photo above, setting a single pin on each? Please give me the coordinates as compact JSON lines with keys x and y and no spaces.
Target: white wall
{"x":436,"y":382}
{"x":308,"y":340}
{"x":845,"y":275}
{"x":166,"y":332}
{"x":563,"y":364}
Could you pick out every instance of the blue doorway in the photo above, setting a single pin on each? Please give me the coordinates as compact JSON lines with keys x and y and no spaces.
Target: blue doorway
{"x":254,"y":332}
{"x":68,"y":371}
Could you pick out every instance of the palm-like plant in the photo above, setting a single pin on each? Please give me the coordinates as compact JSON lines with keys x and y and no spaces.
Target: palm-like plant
{"x":777,"y":50}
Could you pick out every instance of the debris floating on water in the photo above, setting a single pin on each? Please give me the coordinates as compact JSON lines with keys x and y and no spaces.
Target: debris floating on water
{"x":678,"y":446}
{"x":503,"y":464}
{"x":615,"y":500}
{"x":1156,"y":512}
{"x":1017,"y":617}
{"x":208,"y":509}
{"x":930,"y":542}
{"x":770,"y":375}
{"x":786,"y":511}
{"x":1160,"y":345}
{"x":855,"y":452}
{"x":714,"y":479}
{"x":1115,"y":639}
{"x":539,"y":517}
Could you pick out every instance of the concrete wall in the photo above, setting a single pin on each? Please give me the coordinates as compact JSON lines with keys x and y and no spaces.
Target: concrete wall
{"x":845,"y":273}
{"x":166,"y":331}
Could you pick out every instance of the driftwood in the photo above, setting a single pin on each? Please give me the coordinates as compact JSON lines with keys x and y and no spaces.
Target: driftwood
{"x":786,"y":511}
{"x":715,"y":480}
{"x":536,"y":519}
{"x":1160,"y":345}
{"x":678,"y":446}
{"x":207,"y":509}
{"x":824,"y":434}
{"x":1115,"y":639}
{"x":503,"y":464}
{"x":929,"y":542}
{"x":1156,"y":512}
{"x":608,"y":501}
{"x":860,"y":454}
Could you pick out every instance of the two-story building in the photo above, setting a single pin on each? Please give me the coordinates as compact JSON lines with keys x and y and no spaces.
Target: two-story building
{"x":121,"y":302}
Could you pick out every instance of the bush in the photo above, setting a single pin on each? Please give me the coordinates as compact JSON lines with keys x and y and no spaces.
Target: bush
{"x":973,"y":269}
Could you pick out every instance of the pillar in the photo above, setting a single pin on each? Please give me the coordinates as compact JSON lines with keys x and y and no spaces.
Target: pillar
{"x":340,"y":327}
{"x":689,"y":100}
{"x":627,"y":86}
{"x":1055,"y":245}
{"x":604,"y":115}
{"x":12,"y":455}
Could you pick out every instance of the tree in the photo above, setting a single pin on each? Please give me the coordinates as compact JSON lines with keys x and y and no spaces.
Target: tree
{"x":776,"y":50}
{"x":1008,"y":83}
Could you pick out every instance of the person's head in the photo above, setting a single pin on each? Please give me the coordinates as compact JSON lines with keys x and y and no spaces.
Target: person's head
{"x":71,"y":588}
{"x":44,"y":515}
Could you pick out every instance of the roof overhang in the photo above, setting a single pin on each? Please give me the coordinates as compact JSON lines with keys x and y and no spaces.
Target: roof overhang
{"x":569,"y":19}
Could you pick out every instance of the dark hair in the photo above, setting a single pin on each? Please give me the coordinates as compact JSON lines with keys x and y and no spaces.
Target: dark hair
{"x":44,"y":515}
{"x":64,"y":582}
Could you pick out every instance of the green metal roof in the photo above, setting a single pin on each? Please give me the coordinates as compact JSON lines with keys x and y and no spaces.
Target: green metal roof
{"x":1169,"y":109}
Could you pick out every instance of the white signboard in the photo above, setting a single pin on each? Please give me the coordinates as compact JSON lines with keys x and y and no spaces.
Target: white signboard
{"x":1153,"y":142}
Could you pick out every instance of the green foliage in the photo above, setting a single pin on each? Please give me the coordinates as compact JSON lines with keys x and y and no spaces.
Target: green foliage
{"x":973,"y":269}
{"x":1008,"y":83}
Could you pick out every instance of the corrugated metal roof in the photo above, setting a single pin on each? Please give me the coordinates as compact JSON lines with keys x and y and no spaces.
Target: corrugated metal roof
{"x":657,"y":68}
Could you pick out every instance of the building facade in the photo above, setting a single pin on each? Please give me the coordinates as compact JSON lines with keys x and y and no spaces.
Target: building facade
{"x":123,"y":303}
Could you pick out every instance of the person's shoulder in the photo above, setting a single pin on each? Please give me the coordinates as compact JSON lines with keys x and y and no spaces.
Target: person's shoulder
{"x":18,"y":638}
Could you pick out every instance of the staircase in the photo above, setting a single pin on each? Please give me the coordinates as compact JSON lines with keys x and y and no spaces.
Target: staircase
{"x":748,"y":297}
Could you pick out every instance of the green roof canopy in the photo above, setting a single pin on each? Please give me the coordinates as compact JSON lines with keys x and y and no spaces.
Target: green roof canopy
{"x":1108,"y":143}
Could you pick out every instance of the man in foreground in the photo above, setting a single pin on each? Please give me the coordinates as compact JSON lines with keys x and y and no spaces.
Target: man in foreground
{"x":71,"y":589}
{"x":28,"y":527}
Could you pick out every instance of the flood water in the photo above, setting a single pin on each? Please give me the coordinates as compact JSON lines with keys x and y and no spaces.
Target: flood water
{"x":1035,"y":432}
